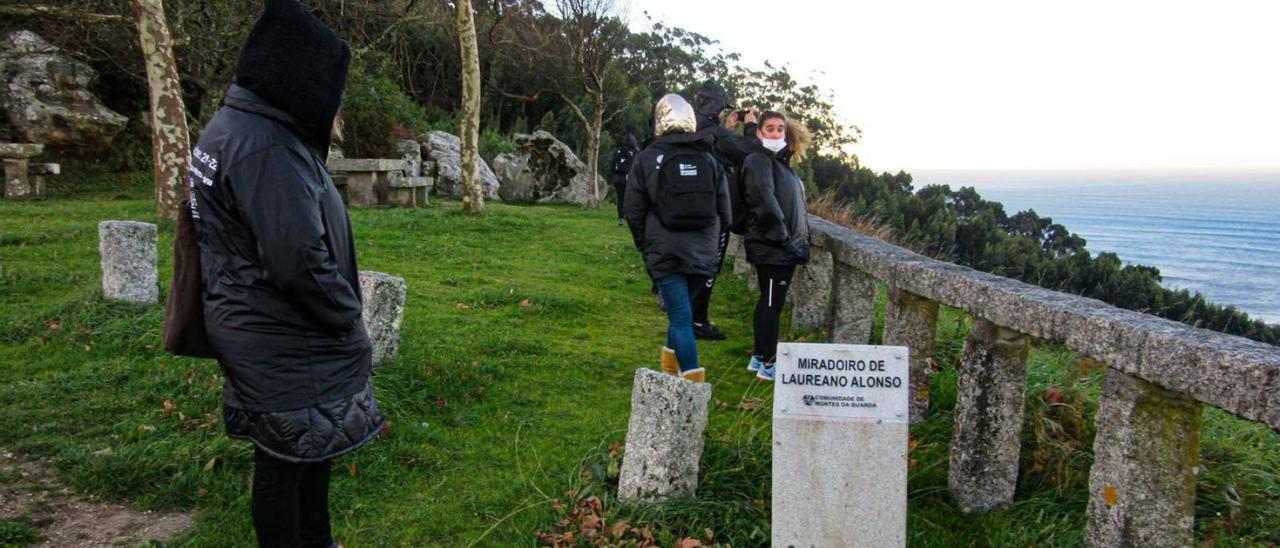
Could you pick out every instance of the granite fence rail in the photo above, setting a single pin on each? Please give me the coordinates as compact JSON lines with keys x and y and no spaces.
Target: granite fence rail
{"x":1160,"y":374}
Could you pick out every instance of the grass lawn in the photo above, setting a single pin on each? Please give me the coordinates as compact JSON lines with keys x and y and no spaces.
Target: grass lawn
{"x":522,"y":331}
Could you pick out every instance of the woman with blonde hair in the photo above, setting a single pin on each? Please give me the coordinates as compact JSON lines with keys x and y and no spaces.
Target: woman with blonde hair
{"x":777,"y":227}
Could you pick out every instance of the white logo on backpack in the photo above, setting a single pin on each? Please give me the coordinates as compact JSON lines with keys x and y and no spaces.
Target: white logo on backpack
{"x":688,"y":170}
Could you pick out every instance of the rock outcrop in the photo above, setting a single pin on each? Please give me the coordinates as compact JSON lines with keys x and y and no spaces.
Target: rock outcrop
{"x":542,"y":169}
{"x":45,"y":95}
{"x":445,"y":150}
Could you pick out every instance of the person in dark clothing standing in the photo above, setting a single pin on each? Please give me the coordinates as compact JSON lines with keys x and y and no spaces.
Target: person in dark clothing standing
{"x":730,"y":150}
{"x":282,"y":302}
{"x":619,"y":166}
{"x":677,"y":199}
{"x":777,"y":227}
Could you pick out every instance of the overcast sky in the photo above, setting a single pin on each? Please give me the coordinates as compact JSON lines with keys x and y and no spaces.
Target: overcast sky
{"x":993,"y":84}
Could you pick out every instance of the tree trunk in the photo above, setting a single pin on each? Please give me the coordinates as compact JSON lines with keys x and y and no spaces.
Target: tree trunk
{"x":593,"y":146}
{"x":469,"y":115}
{"x":170,"y":149}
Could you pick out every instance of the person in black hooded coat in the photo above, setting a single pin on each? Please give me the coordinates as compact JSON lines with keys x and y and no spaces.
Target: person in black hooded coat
{"x":619,"y":167}
{"x":730,"y":150}
{"x":282,"y":300}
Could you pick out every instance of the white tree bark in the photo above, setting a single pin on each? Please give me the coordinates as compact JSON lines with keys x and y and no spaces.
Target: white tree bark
{"x":170,"y":148}
{"x":469,"y":115}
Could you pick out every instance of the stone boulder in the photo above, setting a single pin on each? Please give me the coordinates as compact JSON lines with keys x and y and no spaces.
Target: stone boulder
{"x":542,"y":169}
{"x":445,"y":149}
{"x":45,"y":95}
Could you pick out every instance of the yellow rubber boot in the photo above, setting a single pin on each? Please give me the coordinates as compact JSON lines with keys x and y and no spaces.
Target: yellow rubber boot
{"x":669,"y":364}
{"x":698,"y":375}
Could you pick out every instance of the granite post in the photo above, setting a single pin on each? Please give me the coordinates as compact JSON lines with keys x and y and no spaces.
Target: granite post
{"x":383,"y":312}
{"x":1142,"y":487}
{"x":991,"y":393}
{"x":664,"y":437}
{"x":128,"y":251}
{"x":810,"y":294}
{"x":853,"y":304}
{"x":911,"y":321}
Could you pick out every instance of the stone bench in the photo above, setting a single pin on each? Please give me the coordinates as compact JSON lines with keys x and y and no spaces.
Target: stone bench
{"x":21,"y":178}
{"x":366,"y":182}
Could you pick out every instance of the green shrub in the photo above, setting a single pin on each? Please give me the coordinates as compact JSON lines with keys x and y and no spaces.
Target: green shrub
{"x":375,"y":109}
{"x":493,"y":143}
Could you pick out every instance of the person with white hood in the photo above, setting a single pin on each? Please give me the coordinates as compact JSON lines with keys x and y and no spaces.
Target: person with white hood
{"x":677,"y":200}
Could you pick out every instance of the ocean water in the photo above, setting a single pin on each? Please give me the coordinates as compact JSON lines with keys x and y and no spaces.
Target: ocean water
{"x":1214,"y":233}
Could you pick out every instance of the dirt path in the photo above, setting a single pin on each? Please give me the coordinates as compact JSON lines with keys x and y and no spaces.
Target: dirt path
{"x":28,"y":493}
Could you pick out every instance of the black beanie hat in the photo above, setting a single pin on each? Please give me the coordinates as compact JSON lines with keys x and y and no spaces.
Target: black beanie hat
{"x":298,"y":65}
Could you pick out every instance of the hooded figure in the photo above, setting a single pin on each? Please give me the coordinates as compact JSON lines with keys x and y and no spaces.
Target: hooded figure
{"x":282,"y":300}
{"x":620,"y":165}
{"x":678,"y":257}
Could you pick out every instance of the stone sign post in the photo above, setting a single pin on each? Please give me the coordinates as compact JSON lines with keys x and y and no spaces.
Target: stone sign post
{"x":840,"y":419}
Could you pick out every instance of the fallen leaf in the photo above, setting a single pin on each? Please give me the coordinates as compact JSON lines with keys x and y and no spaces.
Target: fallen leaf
{"x":202,"y":492}
{"x":148,"y":428}
{"x":208,"y":466}
{"x":689,"y":542}
{"x":620,"y":528}
{"x":53,"y":325}
{"x":525,"y":303}
{"x":352,"y":469}
{"x":168,"y":406}
{"x":1053,"y":395}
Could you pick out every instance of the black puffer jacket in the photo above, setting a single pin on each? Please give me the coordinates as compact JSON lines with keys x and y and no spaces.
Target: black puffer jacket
{"x":282,"y":295}
{"x":668,"y":252}
{"x":729,"y":148}
{"x":777,"y":223}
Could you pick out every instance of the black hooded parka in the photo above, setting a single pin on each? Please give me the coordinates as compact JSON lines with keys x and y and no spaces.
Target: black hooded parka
{"x":282,"y":299}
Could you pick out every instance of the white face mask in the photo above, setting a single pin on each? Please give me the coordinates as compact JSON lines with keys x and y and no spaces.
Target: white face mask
{"x":774,"y":144}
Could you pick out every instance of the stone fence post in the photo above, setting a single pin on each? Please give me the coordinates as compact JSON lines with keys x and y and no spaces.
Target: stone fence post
{"x":991,"y":395}
{"x":853,"y":304}
{"x":128,"y":250}
{"x":911,"y":321}
{"x":738,"y":249}
{"x":383,"y":312}
{"x":1142,"y":486}
{"x":810,"y":294}
{"x":664,"y":437}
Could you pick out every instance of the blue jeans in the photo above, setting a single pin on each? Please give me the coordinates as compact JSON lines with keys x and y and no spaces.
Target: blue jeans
{"x":675,"y":290}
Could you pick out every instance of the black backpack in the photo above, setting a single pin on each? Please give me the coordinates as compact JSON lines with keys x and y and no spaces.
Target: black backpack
{"x":686,"y":190}
{"x":622,"y":161}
